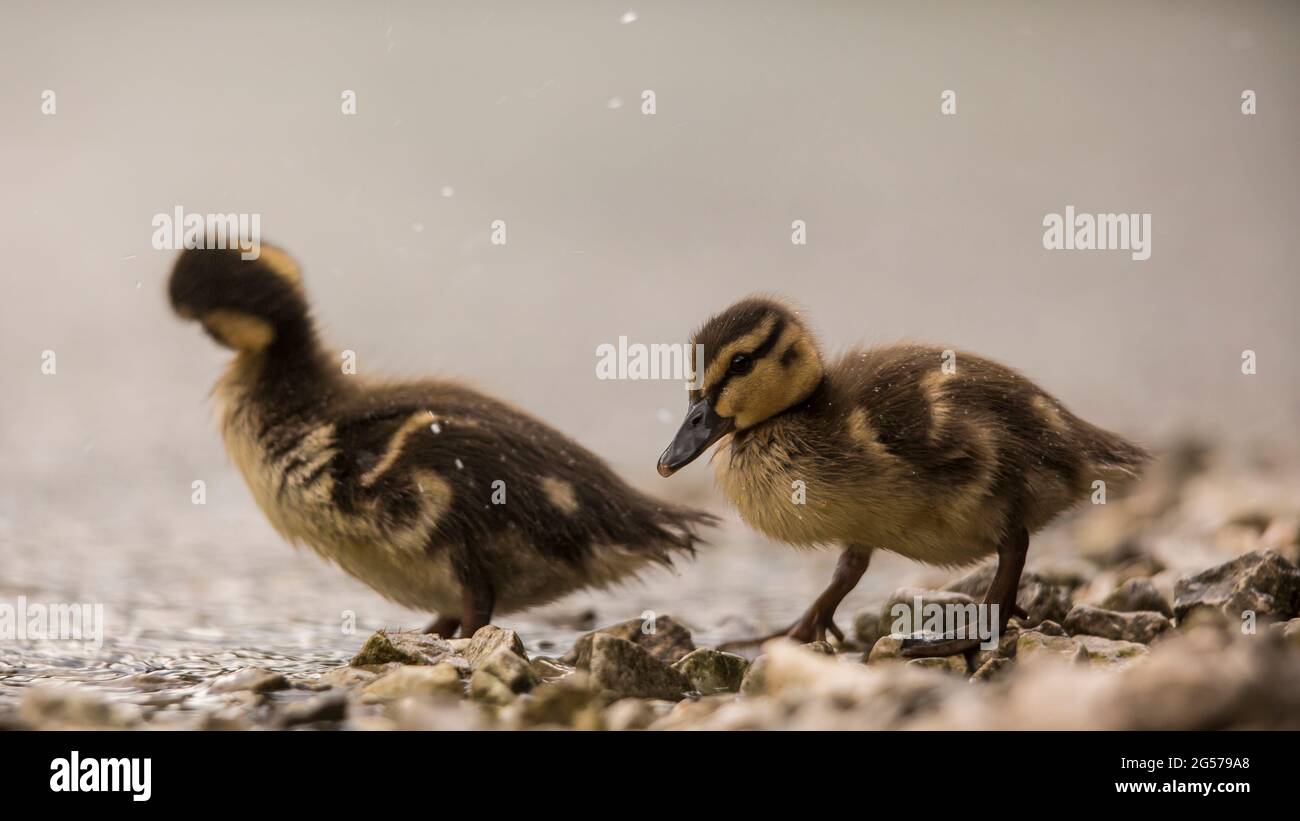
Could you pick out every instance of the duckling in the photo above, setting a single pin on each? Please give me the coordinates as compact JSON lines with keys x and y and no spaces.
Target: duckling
{"x":437,"y":496}
{"x":943,"y":457}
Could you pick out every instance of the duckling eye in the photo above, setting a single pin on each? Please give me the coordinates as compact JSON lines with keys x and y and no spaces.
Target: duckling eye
{"x":740,"y":364}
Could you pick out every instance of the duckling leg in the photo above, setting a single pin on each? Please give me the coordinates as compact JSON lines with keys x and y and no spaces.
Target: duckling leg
{"x":445,"y":625}
{"x":819,"y":619}
{"x":477,"y":601}
{"x":1002,"y":592}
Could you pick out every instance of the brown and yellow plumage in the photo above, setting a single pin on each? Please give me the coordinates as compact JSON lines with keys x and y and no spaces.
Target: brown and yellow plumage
{"x":437,"y":496}
{"x":939,"y":456}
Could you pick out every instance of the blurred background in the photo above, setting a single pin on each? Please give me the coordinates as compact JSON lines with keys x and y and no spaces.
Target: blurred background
{"x":919,"y":226}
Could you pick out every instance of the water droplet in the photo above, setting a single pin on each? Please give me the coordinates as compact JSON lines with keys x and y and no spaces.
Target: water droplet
{"x":436,"y":428}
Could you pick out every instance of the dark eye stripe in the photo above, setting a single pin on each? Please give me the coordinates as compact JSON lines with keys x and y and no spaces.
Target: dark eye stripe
{"x":764,"y":348}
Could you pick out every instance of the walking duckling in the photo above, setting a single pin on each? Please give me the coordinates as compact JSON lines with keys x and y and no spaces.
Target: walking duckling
{"x":944,"y":458}
{"x":437,"y":496}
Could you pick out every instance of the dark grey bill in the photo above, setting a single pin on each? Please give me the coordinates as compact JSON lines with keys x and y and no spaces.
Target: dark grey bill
{"x":702,"y":428}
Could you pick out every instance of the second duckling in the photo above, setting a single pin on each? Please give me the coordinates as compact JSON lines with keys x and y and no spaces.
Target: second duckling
{"x":943,"y":459}
{"x":437,"y":496}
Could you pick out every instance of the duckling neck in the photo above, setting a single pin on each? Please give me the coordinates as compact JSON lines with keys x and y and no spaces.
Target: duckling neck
{"x":291,"y":373}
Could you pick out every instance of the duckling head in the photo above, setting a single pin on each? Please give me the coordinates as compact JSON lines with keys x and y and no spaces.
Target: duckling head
{"x":759,"y":360}
{"x":244,"y":304}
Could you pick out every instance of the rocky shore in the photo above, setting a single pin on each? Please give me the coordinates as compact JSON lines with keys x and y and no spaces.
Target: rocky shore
{"x":1178,"y":608}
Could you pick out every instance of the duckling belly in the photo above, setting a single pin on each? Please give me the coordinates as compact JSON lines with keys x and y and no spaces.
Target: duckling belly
{"x":295,"y":492}
{"x":801,"y":504}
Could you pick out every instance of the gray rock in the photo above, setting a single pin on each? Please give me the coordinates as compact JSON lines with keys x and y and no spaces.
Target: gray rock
{"x":405,"y":647}
{"x":1044,"y":602}
{"x":250,"y":679}
{"x":1136,"y":596}
{"x":712,"y":671}
{"x":886,"y":648}
{"x":488,"y":639}
{"x":1141,"y":627}
{"x":1262,"y":582}
{"x":664,"y":638}
{"x":348,"y":677}
{"x":627,"y":669}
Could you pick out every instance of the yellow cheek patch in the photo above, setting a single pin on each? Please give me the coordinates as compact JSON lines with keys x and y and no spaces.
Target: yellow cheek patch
{"x":748,"y":342}
{"x":243,"y":332}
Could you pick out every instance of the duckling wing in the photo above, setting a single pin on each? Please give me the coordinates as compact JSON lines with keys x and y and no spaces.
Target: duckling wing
{"x":494,"y":473}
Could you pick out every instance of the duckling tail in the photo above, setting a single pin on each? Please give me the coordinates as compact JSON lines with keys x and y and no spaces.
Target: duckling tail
{"x":674,"y":528}
{"x":1115,"y":460}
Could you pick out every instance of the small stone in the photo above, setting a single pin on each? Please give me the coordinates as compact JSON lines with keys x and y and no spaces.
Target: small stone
{"x":635,"y":713}
{"x":501,"y":677}
{"x":1110,"y":653}
{"x":429,"y":681}
{"x":71,"y":708}
{"x":568,"y":702}
{"x":251,"y":679}
{"x":405,"y":647}
{"x":348,"y":677}
{"x":1038,"y":597}
{"x":910,"y":609}
{"x":1033,"y":646}
{"x":327,"y":708}
{"x":755,"y":681}
{"x":627,"y":669}
{"x":992,"y":668}
{"x":488,"y":639}
{"x":1262,"y":582}
{"x":887,"y":648}
{"x":866,"y":627}
{"x":712,"y":671}
{"x":1136,"y":596}
{"x":663,"y":637}
{"x":486,"y":688}
{"x":1291,"y":633}
{"x":823,"y":647}
{"x":1141,"y":627}
{"x":948,"y":664}
{"x":1044,"y":602}
{"x":1050,"y":628}
{"x":549,"y":668}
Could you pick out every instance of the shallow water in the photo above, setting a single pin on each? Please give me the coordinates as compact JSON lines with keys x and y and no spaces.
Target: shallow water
{"x":191,"y":592}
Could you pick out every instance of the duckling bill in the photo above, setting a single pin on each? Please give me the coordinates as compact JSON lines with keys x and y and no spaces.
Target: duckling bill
{"x":946,"y":461}
{"x":439,"y":497}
